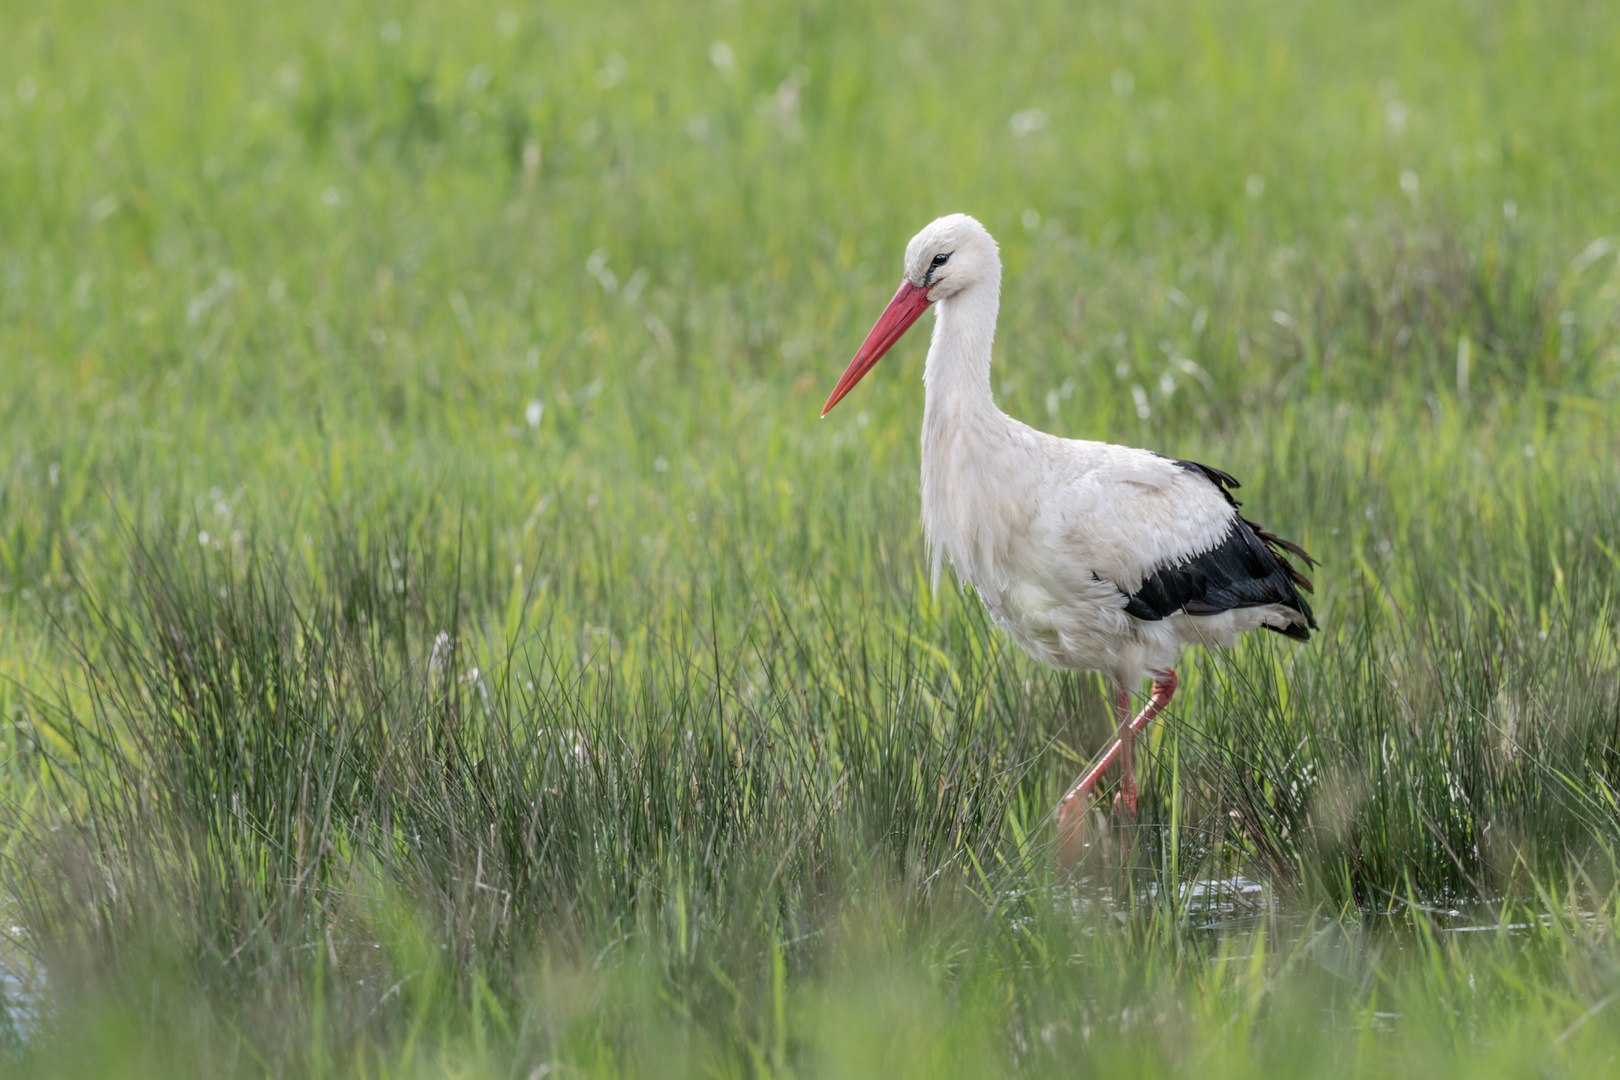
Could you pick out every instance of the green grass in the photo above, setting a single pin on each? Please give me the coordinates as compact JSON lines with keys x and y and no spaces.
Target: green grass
{"x":437,"y":636}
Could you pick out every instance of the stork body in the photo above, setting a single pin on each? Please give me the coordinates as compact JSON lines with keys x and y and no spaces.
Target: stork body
{"x":1091,"y":556}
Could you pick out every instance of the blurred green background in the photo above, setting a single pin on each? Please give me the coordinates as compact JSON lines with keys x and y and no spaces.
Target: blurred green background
{"x":437,"y":635}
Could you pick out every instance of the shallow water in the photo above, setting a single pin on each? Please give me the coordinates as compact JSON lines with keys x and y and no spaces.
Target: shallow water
{"x":22,"y":987}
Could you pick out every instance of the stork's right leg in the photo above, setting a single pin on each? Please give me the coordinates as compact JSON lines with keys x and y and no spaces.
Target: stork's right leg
{"x":1072,"y":810}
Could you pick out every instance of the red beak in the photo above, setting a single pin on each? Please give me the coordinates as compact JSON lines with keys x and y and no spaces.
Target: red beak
{"x":909,"y":303}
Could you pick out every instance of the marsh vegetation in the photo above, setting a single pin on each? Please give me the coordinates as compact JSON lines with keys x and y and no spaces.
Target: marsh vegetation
{"x":438,"y":637}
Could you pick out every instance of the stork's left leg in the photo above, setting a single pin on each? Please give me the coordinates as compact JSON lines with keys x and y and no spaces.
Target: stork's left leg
{"x":1072,"y":810}
{"x":1164,"y":688}
{"x":1125,"y":799}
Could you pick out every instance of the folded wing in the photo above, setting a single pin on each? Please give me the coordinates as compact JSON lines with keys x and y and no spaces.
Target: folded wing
{"x":1248,"y":567}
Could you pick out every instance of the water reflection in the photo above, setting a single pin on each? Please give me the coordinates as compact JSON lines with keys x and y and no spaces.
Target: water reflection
{"x":22,"y":987}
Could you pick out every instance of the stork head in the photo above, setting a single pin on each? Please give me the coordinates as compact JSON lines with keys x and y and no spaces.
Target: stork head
{"x":950,"y":256}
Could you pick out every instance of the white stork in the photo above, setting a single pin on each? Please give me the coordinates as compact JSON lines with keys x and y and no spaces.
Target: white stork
{"x":1093,"y":557}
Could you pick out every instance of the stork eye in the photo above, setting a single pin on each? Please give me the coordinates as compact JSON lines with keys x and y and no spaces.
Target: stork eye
{"x":943,"y":258}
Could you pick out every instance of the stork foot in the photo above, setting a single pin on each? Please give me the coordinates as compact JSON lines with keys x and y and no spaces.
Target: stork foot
{"x":1125,"y":814}
{"x":1072,"y":830}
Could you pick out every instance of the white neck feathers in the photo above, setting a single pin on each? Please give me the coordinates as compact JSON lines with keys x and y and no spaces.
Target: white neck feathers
{"x":957,"y":375}
{"x":962,"y":429}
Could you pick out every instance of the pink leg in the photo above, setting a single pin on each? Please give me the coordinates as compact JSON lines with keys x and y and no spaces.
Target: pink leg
{"x":1126,"y":799}
{"x":1072,"y":810}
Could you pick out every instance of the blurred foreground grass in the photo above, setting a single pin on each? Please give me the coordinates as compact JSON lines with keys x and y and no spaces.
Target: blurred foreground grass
{"x":439,"y":639}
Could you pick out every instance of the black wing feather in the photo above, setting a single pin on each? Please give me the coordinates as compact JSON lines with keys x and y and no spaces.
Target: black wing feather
{"x":1249,"y":568}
